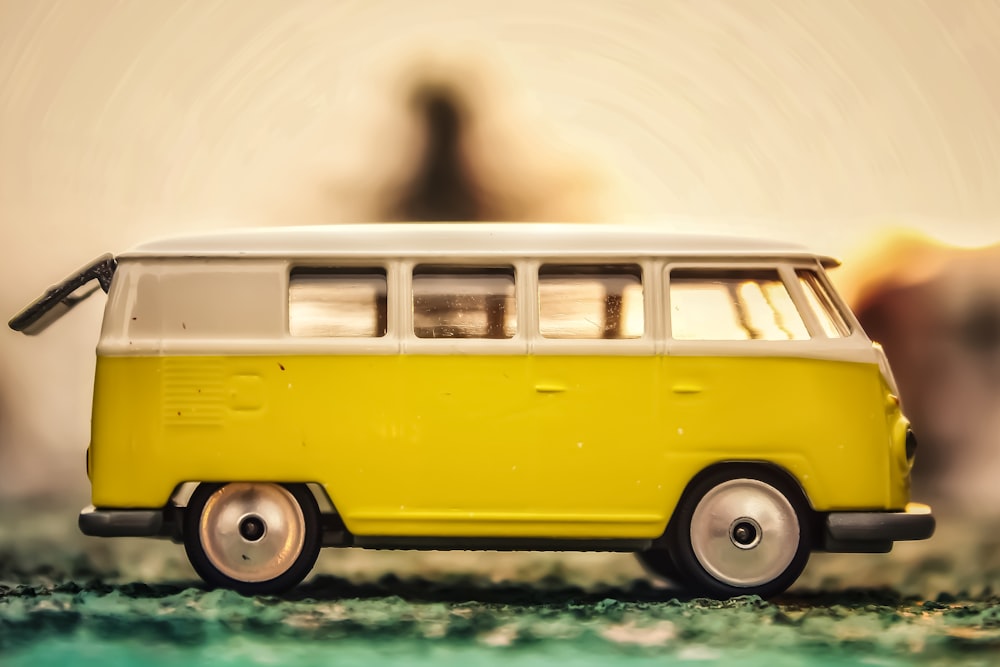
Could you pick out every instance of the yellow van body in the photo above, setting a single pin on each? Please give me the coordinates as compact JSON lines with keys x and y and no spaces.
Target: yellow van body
{"x":523,"y":433}
{"x":467,"y":446}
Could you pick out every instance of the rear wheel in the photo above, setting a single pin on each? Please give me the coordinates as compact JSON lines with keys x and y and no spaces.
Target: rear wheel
{"x":741,"y":531}
{"x":254,"y":538}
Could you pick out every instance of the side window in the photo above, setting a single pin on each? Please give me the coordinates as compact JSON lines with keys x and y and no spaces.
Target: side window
{"x":590,"y":301}
{"x":337,"y":302}
{"x":464,"y":302}
{"x":830,"y":318}
{"x":732,"y":304}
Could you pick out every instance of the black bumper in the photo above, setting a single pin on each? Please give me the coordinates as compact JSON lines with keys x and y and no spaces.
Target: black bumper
{"x":126,"y":523}
{"x":874,"y":532}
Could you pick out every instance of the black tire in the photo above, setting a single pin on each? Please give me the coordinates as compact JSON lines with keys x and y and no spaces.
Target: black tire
{"x":741,"y":530}
{"x":659,"y":563}
{"x":226,"y":531}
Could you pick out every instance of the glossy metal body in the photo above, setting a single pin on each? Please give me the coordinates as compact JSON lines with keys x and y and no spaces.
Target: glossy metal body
{"x":416,"y":437}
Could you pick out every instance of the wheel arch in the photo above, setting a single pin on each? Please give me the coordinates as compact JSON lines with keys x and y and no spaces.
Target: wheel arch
{"x":182,"y":493}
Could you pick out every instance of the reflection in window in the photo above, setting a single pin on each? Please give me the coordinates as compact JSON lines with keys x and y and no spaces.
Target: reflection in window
{"x":590,"y":302}
{"x":830,"y":318}
{"x":732,"y":304}
{"x":464,"y":302}
{"x":337,"y":302}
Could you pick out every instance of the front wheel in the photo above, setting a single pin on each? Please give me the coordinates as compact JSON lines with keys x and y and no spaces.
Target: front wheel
{"x":254,"y":538}
{"x":741,"y":531}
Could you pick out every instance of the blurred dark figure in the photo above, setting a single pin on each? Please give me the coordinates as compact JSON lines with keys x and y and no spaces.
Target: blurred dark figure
{"x":442,"y":187}
{"x":936,"y":310}
{"x":478,"y":154}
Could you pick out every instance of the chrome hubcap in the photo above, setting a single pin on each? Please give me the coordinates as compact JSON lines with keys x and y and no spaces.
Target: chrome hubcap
{"x":744,"y":533}
{"x":252,"y":528}
{"x":252,"y":532}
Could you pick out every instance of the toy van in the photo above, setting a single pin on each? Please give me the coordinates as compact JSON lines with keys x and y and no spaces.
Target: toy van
{"x":706,"y":402}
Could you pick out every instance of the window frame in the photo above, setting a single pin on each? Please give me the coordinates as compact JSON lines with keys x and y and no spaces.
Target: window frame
{"x":504,"y":273}
{"x":325,"y":271}
{"x":783,"y":269}
{"x":412,"y":344}
{"x":646,"y":344}
{"x":387,"y":344}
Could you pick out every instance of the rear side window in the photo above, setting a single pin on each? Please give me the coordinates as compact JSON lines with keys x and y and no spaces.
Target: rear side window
{"x":732,"y":304}
{"x":337,"y":302}
{"x":590,"y":301}
{"x":464,"y":302}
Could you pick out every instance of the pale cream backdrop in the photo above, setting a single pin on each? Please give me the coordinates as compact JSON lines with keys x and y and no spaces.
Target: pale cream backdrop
{"x":822,"y":121}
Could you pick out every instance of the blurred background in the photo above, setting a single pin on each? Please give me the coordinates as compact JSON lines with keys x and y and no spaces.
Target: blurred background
{"x":869,"y":130}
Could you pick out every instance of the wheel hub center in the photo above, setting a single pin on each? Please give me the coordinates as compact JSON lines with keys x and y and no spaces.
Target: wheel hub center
{"x":745,"y":533}
{"x":252,"y":528}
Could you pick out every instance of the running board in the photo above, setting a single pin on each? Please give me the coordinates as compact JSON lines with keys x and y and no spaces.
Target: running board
{"x":495,"y":544}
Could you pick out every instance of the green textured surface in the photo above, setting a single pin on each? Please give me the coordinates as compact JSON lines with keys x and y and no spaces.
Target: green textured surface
{"x":66,"y":599}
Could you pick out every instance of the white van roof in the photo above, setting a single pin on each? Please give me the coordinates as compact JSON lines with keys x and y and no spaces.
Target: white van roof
{"x":461,"y":239}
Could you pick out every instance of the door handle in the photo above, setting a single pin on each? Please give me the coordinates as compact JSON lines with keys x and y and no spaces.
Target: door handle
{"x":550,"y":388}
{"x":687,"y":388}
